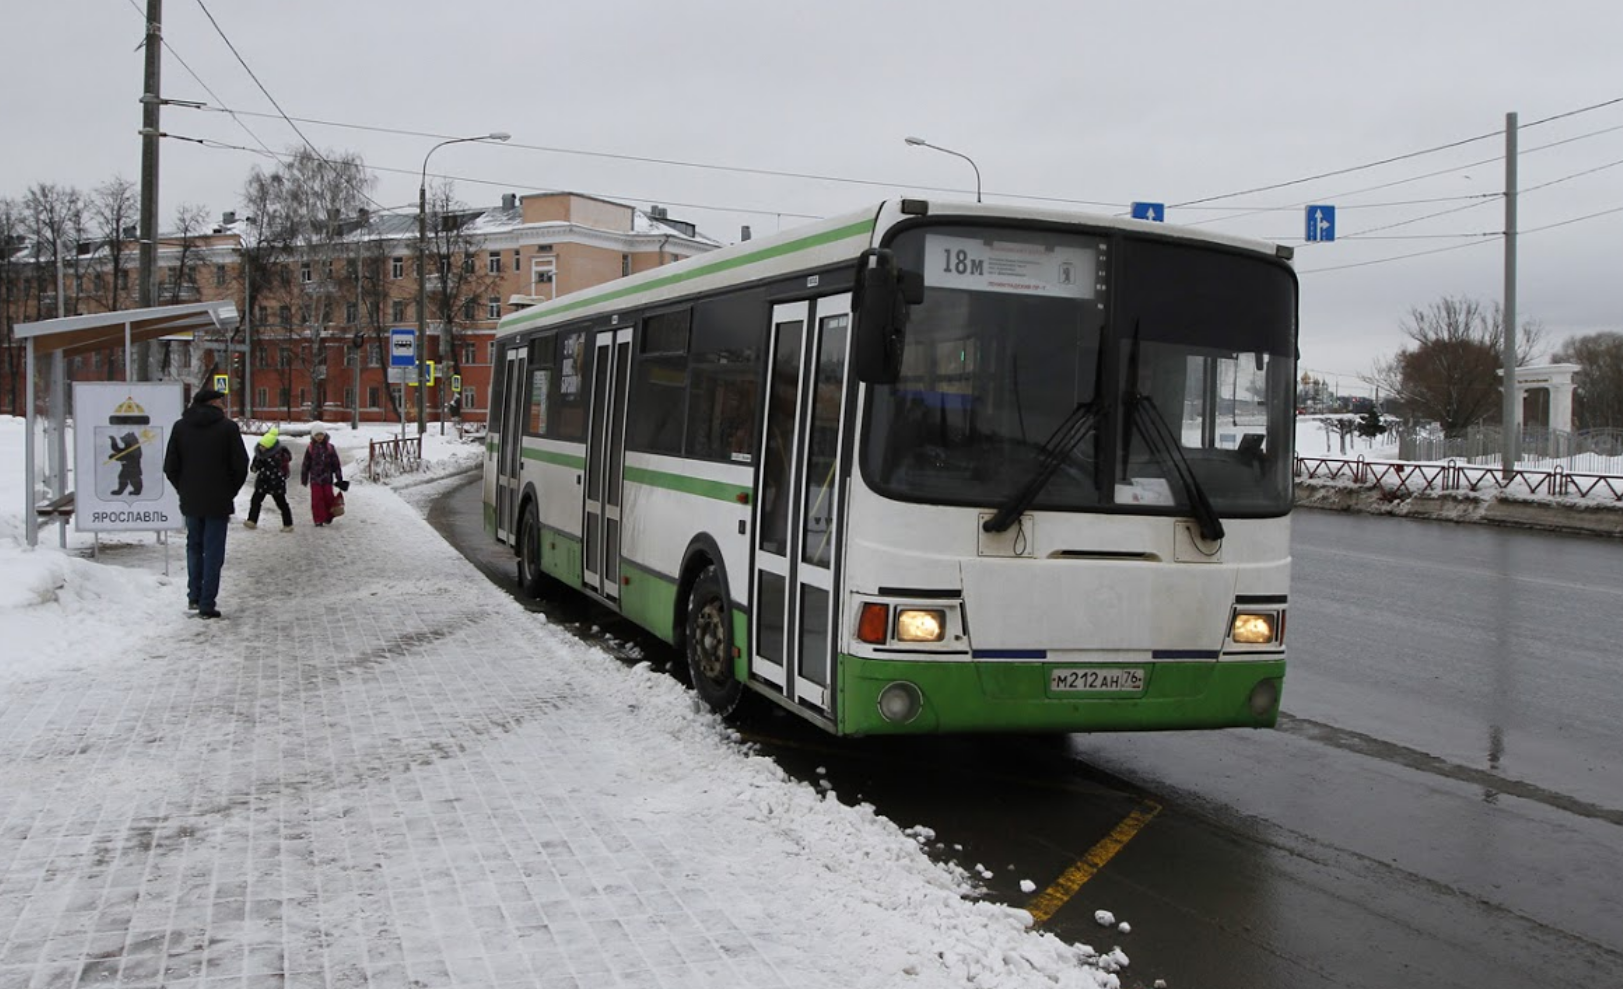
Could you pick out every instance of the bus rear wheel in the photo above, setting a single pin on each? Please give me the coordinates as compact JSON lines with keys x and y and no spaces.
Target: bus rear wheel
{"x":531,"y":578}
{"x":709,"y":629}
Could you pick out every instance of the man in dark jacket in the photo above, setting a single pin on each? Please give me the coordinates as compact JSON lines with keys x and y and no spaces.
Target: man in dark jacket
{"x":207,"y":464}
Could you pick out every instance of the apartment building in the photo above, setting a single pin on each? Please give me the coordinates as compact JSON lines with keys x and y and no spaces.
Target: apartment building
{"x":317,"y":310}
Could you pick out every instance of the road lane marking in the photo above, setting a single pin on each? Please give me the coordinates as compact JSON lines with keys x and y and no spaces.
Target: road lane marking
{"x":1048,"y":902}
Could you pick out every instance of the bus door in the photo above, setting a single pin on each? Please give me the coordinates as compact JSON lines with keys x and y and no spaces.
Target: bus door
{"x":510,"y":435}
{"x":605,"y":444}
{"x":797,"y":529}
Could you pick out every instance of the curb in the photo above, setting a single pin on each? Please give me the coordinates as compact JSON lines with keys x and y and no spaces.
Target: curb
{"x":1574,"y":518}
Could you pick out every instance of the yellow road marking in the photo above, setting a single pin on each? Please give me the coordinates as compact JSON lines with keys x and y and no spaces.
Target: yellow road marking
{"x":1048,"y":902}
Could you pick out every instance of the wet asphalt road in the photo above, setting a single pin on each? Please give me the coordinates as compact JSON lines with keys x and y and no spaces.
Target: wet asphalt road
{"x":1441,"y":806}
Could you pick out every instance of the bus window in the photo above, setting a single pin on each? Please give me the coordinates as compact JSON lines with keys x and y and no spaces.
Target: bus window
{"x":721,"y":412}
{"x":535,"y":419}
{"x":659,"y":385}
{"x":566,"y":419}
{"x":658,"y":389}
{"x":724,"y":384}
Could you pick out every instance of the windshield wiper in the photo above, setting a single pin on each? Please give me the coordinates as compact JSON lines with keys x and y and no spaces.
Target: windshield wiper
{"x":1055,"y":449}
{"x":1165,"y":446}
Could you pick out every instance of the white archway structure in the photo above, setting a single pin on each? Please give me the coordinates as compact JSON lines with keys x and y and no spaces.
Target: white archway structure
{"x":1557,"y":379}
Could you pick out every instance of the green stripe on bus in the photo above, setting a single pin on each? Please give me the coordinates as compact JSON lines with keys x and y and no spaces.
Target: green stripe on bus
{"x":649,"y":599}
{"x":574,"y":460}
{"x":755,"y":257}
{"x":719,"y":490}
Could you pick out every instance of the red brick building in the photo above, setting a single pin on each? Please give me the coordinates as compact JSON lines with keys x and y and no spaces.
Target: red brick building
{"x":316,"y":317}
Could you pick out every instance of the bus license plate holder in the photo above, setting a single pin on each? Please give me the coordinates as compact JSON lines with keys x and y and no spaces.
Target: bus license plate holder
{"x":1096,"y":680}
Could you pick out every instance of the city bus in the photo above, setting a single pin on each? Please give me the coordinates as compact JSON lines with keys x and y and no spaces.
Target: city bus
{"x":928,"y":467}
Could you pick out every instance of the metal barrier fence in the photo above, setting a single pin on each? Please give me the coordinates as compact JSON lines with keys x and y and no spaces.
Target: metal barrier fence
{"x":1401,"y":480}
{"x":1585,"y":450}
{"x":388,"y":458}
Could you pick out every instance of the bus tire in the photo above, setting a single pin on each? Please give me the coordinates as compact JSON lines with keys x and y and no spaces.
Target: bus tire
{"x":709,"y":640}
{"x":531,"y":578}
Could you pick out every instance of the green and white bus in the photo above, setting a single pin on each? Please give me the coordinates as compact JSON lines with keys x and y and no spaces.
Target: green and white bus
{"x":930,"y":467}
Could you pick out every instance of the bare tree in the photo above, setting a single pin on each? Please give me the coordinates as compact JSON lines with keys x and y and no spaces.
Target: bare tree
{"x":113,"y":211}
{"x":463,"y":278}
{"x":14,"y":285}
{"x":191,"y":223}
{"x":1450,"y":374}
{"x":1598,"y":398}
{"x":376,"y":295}
{"x":54,"y":212}
{"x":180,"y":282}
{"x":299,"y":211}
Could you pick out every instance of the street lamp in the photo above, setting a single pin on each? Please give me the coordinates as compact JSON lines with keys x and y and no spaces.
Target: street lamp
{"x":919,"y":142}
{"x":422,"y":268}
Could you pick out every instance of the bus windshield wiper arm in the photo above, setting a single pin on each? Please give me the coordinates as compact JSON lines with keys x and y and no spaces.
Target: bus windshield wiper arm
{"x":1158,"y":437}
{"x":1056,"y":448}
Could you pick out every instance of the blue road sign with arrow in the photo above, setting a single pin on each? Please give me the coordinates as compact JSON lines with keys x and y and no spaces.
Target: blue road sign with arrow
{"x":1321,"y":224}
{"x":1156,"y":212}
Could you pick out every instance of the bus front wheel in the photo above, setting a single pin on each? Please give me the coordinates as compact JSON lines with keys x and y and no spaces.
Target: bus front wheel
{"x":531,"y":578}
{"x":710,"y":644}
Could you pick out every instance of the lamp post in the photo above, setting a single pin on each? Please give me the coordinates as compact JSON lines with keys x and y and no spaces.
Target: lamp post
{"x":919,"y":142}
{"x":422,"y":268}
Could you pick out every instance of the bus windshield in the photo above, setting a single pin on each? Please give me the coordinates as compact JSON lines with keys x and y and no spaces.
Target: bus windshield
{"x":1067,"y":372}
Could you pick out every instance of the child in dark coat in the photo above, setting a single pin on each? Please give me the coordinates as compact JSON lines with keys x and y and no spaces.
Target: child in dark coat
{"x":271,"y":467}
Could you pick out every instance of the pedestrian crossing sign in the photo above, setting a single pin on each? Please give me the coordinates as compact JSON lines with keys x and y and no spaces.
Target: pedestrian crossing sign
{"x":222,"y":383}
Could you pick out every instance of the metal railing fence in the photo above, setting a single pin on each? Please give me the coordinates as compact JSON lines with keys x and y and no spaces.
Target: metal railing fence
{"x":389,"y":458}
{"x":1398,"y":479}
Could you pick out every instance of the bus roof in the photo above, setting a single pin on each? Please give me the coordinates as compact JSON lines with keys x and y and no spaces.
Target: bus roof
{"x":817,"y":245}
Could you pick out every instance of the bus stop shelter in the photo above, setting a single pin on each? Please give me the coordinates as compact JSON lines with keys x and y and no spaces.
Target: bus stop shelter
{"x":72,"y":336}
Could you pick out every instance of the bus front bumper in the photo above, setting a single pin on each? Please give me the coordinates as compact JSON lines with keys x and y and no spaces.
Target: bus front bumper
{"x":914,"y":697}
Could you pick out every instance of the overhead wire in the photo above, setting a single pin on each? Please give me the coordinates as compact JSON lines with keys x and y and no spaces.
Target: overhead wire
{"x":342,"y":172}
{"x":677,"y":162}
{"x":1404,"y":157}
{"x":199,"y":79}
{"x":1483,"y":199}
{"x":412,"y":208}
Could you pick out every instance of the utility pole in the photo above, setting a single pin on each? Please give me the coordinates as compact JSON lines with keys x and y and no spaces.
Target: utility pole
{"x":149,"y":183}
{"x":247,"y":334}
{"x":1510,"y":427}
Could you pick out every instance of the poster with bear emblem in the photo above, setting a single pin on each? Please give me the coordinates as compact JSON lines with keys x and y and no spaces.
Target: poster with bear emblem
{"x":121,"y":430}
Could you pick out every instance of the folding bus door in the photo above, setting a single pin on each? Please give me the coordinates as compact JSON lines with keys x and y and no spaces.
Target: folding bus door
{"x":815,"y":611}
{"x":510,"y":454}
{"x":798,"y":506}
{"x":605,"y":445}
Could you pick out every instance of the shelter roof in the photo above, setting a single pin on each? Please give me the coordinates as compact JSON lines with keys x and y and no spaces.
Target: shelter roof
{"x":75,"y":335}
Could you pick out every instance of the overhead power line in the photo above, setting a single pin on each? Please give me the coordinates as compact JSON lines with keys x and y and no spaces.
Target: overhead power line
{"x":412,"y":208}
{"x":199,"y":79}
{"x":314,"y":151}
{"x":677,"y":162}
{"x":1404,"y":157}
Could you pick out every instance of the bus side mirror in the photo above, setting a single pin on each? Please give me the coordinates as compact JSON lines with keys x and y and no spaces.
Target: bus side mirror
{"x":883,"y":294}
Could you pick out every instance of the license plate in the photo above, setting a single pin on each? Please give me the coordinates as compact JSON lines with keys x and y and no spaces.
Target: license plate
{"x":1116,"y":680}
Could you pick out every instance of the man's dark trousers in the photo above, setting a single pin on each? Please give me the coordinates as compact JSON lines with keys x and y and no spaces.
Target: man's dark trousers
{"x":205,"y":556}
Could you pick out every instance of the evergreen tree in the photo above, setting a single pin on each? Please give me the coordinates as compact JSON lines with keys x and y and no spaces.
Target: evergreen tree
{"x":1370,"y":424}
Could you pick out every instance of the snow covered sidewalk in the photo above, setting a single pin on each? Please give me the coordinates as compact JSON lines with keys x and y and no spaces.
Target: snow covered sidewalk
{"x":378,"y":770}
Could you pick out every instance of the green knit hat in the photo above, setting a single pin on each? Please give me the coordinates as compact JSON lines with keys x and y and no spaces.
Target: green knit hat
{"x":269,"y":439}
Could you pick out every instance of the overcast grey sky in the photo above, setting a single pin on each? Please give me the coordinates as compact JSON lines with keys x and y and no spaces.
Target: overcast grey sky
{"x":733,"y":112}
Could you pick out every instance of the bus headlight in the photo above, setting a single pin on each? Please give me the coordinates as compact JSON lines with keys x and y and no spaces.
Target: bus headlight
{"x":1253,"y":628}
{"x":900,"y":702}
{"x":921,"y":625}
